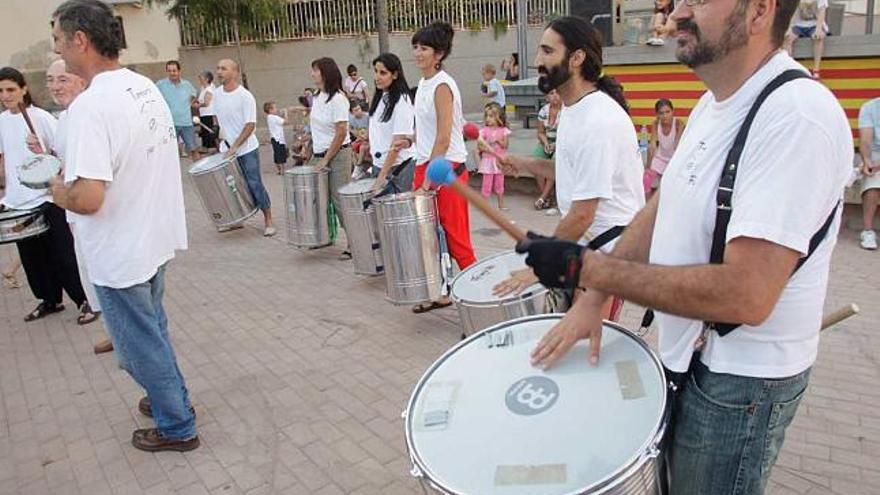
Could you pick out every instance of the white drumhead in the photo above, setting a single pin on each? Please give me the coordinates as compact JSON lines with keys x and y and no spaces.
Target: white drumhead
{"x":39,"y":170}
{"x":209,"y":163}
{"x":357,"y":187}
{"x":475,"y":284}
{"x":483,"y":421}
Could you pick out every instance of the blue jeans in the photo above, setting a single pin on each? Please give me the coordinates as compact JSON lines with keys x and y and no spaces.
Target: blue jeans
{"x":250,"y":167}
{"x":138,"y":327}
{"x":188,"y":135}
{"x":728,"y":430}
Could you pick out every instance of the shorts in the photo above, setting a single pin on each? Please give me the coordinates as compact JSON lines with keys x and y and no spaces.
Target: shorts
{"x":804,"y":31}
{"x":188,"y":134}
{"x":280,"y":154}
{"x":870,"y":182}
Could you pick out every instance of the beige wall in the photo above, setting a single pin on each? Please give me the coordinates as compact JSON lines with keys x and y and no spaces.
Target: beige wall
{"x":26,"y":42}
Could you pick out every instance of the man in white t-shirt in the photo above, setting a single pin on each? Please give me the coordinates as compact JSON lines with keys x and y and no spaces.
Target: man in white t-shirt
{"x":736,"y":393}
{"x":809,"y":23}
{"x":127,"y":203}
{"x":236,"y":111}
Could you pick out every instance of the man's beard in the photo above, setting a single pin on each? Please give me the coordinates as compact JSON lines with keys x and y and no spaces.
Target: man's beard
{"x":553,"y":77}
{"x":704,"y":52}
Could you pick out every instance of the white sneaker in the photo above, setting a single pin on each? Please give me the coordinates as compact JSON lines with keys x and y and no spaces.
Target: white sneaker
{"x":551,"y":212}
{"x":868,"y":240}
{"x":656,"y":42}
{"x":357,"y":173}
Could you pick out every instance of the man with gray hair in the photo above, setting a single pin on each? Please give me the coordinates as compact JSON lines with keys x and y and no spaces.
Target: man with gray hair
{"x":127,"y":203}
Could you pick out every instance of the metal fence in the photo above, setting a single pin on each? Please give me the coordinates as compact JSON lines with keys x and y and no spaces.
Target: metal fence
{"x":305,"y":19}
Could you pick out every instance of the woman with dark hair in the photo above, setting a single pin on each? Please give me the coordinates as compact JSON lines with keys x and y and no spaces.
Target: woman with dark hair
{"x":49,"y":260}
{"x":392,"y":124}
{"x":355,"y":87}
{"x":205,"y":104}
{"x":439,"y":134}
{"x":511,"y":66}
{"x":328,"y":121}
{"x":665,"y":134}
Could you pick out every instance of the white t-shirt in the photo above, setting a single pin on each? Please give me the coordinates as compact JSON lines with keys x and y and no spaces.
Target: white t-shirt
{"x":120,"y":131}
{"x":203,"y":93}
{"x":426,"y":120}
{"x":807,"y":13}
{"x":276,"y":127}
{"x":234,"y":110}
{"x":323,"y":119}
{"x":401,"y":123}
{"x":792,"y":172}
{"x":13,"y":148}
{"x":597,"y":156}
{"x":355,"y":86}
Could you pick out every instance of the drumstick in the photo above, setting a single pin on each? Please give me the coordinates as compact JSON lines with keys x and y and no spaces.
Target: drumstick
{"x":839,"y":315}
{"x":440,"y":172}
{"x":27,"y":120}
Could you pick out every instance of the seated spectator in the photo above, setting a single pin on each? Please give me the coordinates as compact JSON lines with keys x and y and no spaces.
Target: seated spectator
{"x":511,"y":66}
{"x":492,"y":89}
{"x":548,"y":120}
{"x":809,"y":22}
{"x":661,"y":24}
{"x":301,"y":145}
{"x":869,"y":148}
{"x":358,"y":126}
{"x":354,"y":86}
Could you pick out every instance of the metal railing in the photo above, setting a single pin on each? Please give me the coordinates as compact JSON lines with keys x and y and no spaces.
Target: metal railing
{"x":304,"y":19}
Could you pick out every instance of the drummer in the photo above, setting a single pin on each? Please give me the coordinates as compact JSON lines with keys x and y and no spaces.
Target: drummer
{"x":236,"y":111}
{"x":597,"y":167}
{"x":392,"y":125}
{"x":757,"y":256}
{"x":64,"y":88}
{"x":440,"y":134}
{"x":49,"y":260}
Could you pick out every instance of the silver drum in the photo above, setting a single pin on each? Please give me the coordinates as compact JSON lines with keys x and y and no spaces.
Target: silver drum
{"x":410,"y":246}
{"x":479,"y":308}
{"x":223,"y":190}
{"x":307,"y":193}
{"x":361,"y":227}
{"x":483,"y":421}
{"x":18,"y":225}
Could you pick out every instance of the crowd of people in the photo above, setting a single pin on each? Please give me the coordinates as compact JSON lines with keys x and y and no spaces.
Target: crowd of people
{"x":625,"y":231}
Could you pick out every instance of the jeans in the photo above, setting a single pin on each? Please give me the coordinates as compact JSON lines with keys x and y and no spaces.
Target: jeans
{"x":403,"y":181}
{"x":728,"y":430}
{"x":250,"y":167}
{"x":188,"y":135}
{"x":138,"y":327}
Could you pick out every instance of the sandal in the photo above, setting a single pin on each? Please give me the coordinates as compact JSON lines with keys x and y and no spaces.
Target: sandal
{"x":345,"y":255}
{"x":43,"y":309}
{"x":86,"y":315}
{"x":424,"y":308}
{"x":541,"y":204}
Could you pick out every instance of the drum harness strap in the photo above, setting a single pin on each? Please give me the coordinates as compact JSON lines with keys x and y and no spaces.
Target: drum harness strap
{"x":594,"y":245}
{"x":724,"y":202}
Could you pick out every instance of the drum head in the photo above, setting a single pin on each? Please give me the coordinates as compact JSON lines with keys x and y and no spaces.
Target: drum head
{"x":209,"y":163}
{"x":357,"y":187}
{"x":304,"y":170}
{"x":37,"y":172}
{"x":474,"y":285}
{"x":482,"y":420}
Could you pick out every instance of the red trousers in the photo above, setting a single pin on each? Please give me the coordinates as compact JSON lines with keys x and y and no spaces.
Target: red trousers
{"x":454,"y":217}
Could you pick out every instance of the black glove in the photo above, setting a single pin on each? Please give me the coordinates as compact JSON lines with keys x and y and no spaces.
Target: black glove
{"x":557,"y":263}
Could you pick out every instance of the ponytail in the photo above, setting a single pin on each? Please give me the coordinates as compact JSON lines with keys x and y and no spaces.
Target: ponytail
{"x":610,"y":86}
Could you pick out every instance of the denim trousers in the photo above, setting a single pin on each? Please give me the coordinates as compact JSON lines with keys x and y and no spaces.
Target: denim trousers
{"x":727,"y":431}
{"x":250,"y":167}
{"x":138,"y":327}
{"x":340,"y":175}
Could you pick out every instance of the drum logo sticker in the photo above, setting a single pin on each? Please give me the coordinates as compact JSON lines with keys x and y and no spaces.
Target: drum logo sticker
{"x":532,"y":395}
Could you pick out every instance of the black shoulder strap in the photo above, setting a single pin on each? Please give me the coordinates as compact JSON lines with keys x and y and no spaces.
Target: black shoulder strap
{"x":724,"y":196}
{"x":606,"y":237}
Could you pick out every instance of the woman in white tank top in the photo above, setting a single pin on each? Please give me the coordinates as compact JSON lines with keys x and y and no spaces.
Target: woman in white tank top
{"x":665,"y":135}
{"x":439,"y":133}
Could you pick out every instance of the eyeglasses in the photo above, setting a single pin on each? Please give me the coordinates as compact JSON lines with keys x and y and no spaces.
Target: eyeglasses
{"x":693,"y":3}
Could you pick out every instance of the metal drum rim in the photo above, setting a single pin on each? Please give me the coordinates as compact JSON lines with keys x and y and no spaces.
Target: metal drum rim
{"x":403,"y":197}
{"x":220,"y":164}
{"x":636,"y":461}
{"x":19,"y":213}
{"x":305,"y":170}
{"x":531,"y":291}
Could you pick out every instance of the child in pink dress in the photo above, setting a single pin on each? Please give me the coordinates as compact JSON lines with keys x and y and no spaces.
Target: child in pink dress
{"x":493,"y":142}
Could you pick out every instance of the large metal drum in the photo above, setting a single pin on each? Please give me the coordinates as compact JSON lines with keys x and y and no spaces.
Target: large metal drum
{"x":479,"y":308}
{"x":483,"y":421}
{"x":306,"y":193}
{"x":18,"y":225}
{"x":223,"y":190}
{"x":361,"y":227}
{"x":410,"y":246}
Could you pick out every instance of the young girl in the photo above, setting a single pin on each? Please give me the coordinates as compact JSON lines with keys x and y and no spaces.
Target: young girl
{"x":493,"y":141}
{"x":665,"y":135}
{"x":661,"y":24}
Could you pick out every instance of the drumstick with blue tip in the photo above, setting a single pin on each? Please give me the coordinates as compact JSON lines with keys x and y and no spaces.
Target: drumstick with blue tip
{"x":440,"y":171}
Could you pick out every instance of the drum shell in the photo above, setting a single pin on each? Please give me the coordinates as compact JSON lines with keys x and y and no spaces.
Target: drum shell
{"x":27,"y":224}
{"x":306,"y":194}
{"x":361,"y":227}
{"x":223,"y":191}
{"x":410,"y":247}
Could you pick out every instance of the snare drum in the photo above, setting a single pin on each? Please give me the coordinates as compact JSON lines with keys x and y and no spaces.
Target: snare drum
{"x":479,"y":308}
{"x":483,"y":421}
{"x":18,"y":225}
{"x":38,"y":172}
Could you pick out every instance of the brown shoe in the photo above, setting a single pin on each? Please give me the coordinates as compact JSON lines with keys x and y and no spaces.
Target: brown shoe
{"x":103,"y":346}
{"x":150,"y":440}
{"x":145,"y":407}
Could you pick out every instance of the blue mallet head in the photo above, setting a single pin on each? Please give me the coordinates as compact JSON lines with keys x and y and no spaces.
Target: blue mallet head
{"x":440,"y":171}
